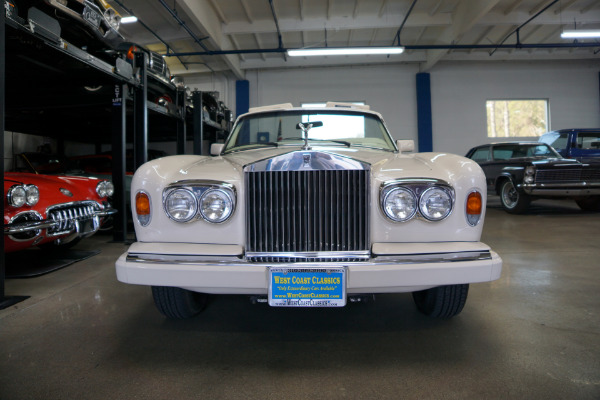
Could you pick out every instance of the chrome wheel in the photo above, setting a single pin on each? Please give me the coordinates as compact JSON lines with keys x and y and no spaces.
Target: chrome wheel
{"x":510,"y":196}
{"x":512,"y":200}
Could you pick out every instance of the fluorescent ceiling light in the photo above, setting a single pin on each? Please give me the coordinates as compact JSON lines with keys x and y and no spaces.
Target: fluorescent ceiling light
{"x":580,"y":34}
{"x":129,"y":20}
{"x":344,"y":51}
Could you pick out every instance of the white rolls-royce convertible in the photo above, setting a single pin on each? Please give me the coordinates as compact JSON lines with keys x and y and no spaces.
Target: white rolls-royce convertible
{"x":309,"y":207}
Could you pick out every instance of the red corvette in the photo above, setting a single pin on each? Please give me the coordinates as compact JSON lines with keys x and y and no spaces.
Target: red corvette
{"x":45,"y":210}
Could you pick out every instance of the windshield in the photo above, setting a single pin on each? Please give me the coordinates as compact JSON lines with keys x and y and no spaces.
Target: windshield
{"x":339,"y":128}
{"x":508,"y":151}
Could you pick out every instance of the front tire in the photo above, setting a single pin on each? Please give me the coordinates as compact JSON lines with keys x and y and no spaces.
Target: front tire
{"x":513,"y":201}
{"x":591,"y":203}
{"x":442,"y":301}
{"x":177,"y":303}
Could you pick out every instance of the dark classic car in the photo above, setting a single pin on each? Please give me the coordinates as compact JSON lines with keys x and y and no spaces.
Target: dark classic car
{"x":50,"y":211}
{"x":524,"y":171}
{"x":580,"y":144}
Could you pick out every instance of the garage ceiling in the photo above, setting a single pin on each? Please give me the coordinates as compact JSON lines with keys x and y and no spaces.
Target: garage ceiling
{"x":237,"y":35}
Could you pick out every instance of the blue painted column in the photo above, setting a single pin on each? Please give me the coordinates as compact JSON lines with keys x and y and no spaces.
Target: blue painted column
{"x":242,"y":97}
{"x":424,"y":119}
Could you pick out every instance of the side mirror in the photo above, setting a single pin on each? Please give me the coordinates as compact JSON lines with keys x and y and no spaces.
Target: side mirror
{"x":216,"y":148}
{"x":405,"y":146}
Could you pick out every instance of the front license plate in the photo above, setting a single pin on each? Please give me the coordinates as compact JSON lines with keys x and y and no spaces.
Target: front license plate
{"x":91,"y":16}
{"x":307,"y":287}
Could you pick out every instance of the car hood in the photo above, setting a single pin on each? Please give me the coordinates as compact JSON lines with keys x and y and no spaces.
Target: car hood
{"x":384,"y":165}
{"x":558,"y":162}
{"x":78,"y":186}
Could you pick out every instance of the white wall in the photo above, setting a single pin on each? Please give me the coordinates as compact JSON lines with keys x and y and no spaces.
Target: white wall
{"x":388,"y":89}
{"x":458,"y":91}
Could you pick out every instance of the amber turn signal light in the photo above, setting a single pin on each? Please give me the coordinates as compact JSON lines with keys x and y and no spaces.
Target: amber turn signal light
{"x":142,"y":208}
{"x":142,"y":204}
{"x":474,"y":208}
{"x":474,"y":203}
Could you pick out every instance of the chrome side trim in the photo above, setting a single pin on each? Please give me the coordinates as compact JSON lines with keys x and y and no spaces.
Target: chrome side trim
{"x":193,"y":259}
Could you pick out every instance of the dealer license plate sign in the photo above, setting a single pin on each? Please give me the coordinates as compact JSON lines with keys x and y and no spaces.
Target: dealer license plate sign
{"x":307,"y":287}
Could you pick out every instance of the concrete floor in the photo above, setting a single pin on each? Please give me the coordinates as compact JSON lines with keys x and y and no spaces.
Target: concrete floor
{"x":533,"y":334}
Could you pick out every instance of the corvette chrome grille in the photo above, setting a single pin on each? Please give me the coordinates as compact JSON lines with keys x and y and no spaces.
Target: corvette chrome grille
{"x":65,"y":214}
{"x":319,"y":215}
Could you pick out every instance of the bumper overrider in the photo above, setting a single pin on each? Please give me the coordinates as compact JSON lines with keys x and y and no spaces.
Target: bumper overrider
{"x":390,"y":267}
{"x":562,"y":189}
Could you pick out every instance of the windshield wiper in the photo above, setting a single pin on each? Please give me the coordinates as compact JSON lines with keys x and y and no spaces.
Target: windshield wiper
{"x":345,"y":143}
{"x":263,"y":144}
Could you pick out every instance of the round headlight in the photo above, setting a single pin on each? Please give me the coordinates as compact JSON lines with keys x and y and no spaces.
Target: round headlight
{"x":101,"y":189}
{"x":32,"y":194}
{"x":529,"y":174}
{"x":17,"y":196}
{"x":112,"y":18}
{"x":435,"y":204}
{"x":400,"y":204}
{"x":109,"y":188}
{"x":181,"y":205}
{"x":216,"y":205}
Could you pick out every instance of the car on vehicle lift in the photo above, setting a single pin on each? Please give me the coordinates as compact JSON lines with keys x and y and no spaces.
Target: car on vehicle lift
{"x":309,"y":207}
{"x":520,"y":172}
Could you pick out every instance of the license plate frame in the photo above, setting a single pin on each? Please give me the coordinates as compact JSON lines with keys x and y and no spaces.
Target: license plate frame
{"x":307,"y":286}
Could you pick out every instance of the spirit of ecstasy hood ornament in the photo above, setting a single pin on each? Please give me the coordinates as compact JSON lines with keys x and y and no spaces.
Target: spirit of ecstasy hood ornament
{"x":305,"y":128}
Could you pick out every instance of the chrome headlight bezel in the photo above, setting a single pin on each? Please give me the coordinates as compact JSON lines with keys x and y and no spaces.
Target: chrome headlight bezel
{"x":201,"y":189}
{"x":421,"y":188}
{"x":16,"y":196}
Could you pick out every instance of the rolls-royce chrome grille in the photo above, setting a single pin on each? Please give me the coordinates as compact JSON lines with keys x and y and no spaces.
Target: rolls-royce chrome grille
{"x":307,"y":216}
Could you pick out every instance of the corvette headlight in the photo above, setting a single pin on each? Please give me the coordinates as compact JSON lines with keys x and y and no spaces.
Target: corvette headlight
{"x":181,"y":205}
{"x":105,"y":189}
{"x":32,"y":195}
{"x":17,"y":196}
{"x":529,"y":174}
{"x":399,"y":204}
{"x":216,"y":205}
{"x":435,"y":204}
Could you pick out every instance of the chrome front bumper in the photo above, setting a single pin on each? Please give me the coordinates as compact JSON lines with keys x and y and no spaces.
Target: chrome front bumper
{"x":406,"y":267}
{"x":562,"y":190}
{"x":21,"y":227}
